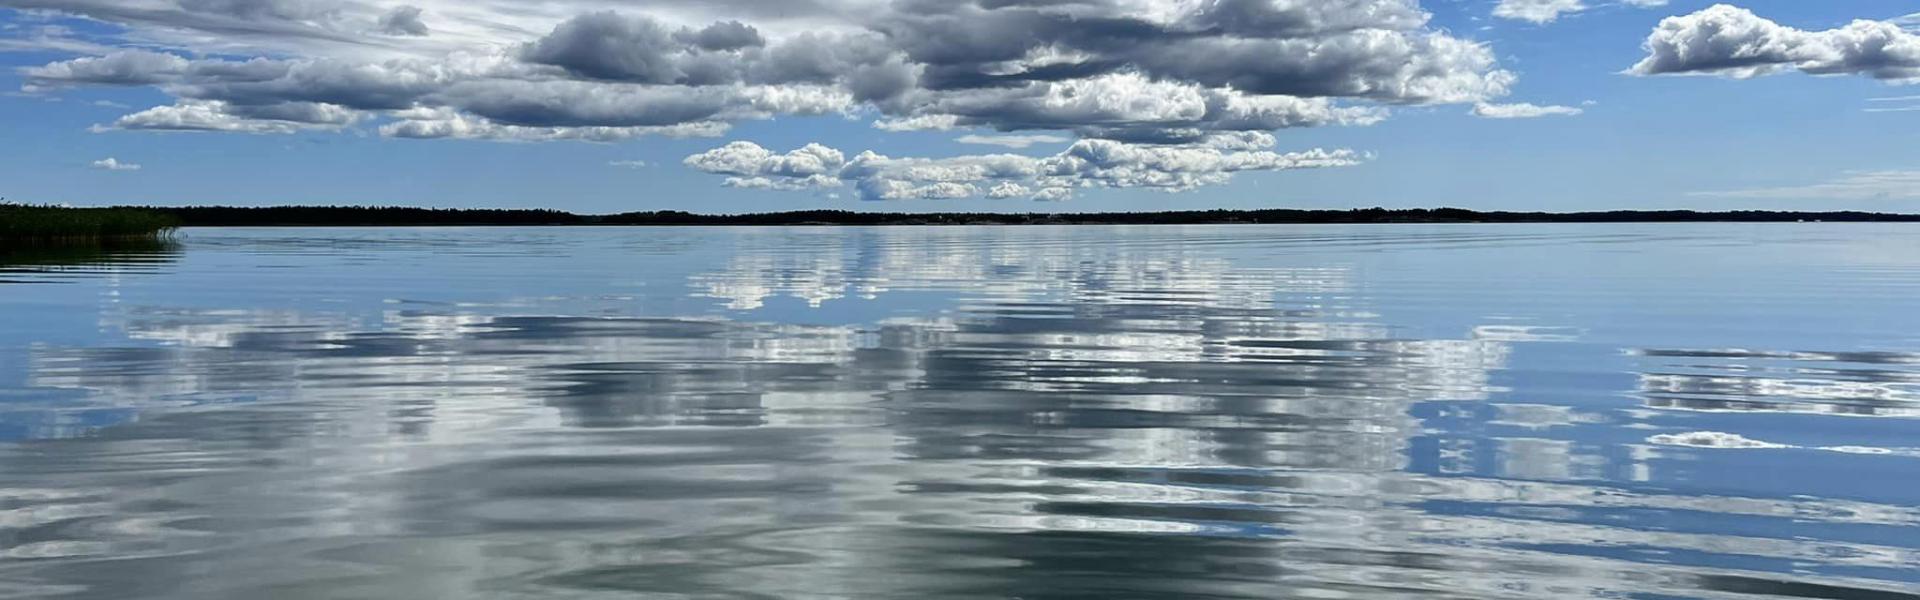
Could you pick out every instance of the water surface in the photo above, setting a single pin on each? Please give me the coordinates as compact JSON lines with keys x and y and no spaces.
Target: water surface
{"x":1401,"y":411}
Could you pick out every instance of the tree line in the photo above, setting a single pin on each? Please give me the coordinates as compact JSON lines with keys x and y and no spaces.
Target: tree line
{"x":226,"y":216}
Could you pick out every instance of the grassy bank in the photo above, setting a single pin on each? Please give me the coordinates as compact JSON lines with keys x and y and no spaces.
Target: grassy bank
{"x":23,"y":225}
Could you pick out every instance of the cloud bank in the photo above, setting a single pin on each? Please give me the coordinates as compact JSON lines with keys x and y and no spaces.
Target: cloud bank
{"x":1161,"y":81}
{"x":1120,"y":69}
{"x":1087,"y":164}
{"x":1136,"y":70}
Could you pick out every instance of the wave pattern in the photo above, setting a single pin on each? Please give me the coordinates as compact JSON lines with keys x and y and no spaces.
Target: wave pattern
{"x":1207,"y":412}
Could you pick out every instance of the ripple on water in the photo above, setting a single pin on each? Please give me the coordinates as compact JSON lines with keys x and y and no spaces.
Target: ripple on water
{"x":1420,"y":412}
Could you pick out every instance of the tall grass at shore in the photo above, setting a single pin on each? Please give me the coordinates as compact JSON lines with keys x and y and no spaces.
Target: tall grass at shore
{"x":25,"y":225}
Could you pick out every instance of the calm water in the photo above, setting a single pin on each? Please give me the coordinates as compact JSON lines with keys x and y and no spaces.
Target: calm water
{"x":1643,"y":411}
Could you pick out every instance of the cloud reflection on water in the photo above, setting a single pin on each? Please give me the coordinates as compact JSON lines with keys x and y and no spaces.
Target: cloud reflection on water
{"x":1076,"y":419}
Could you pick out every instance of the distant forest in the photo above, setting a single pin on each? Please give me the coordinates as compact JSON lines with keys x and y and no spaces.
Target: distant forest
{"x":221,"y":216}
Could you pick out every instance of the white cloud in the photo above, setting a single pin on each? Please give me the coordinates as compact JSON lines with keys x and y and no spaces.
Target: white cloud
{"x":1522,"y":110}
{"x":1085,"y":164}
{"x":628,"y":164}
{"x":1894,"y":109}
{"x":1536,"y":11}
{"x":932,"y":122}
{"x":114,"y":164}
{"x":1132,"y":107}
{"x":1012,"y":141}
{"x":285,"y":117}
{"x":1548,"y":11}
{"x":1734,"y":42}
{"x":1851,"y":186}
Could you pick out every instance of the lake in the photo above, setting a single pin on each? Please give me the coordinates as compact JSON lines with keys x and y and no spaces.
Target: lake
{"x":1389,"y":411}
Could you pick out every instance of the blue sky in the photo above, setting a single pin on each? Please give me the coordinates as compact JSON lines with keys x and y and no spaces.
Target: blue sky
{"x":700,"y":106}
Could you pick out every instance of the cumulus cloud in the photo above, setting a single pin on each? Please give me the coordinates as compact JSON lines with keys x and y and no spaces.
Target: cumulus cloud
{"x":1734,"y":42}
{"x":113,"y":164}
{"x":1522,"y":110}
{"x":1011,"y":141}
{"x":1851,"y":186}
{"x":1085,"y":164}
{"x":749,"y":165}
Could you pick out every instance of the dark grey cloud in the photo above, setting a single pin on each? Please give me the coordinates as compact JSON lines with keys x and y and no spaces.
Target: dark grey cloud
{"x":1265,"y":18}
{"x":727,"y":35}
{"x":364,"y":86}
{"x":1732,"y":41}
{"x":1371,"y":49}
{"x":126,"y":67}
{"x":585,"y":104}
{"x":404,"y":20}
{"x":612,"y":46}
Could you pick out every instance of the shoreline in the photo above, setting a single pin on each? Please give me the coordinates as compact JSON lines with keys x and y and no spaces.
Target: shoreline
{"x":355,"y":216}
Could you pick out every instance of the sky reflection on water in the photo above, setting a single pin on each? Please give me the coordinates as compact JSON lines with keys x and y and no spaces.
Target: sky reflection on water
{"x":1277,"y":412}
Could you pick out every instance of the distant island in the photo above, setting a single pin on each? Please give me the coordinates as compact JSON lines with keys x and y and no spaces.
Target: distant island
{"x":228,"y":216}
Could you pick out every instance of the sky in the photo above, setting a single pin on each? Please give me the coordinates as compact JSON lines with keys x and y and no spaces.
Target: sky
{"x":963,"y":105}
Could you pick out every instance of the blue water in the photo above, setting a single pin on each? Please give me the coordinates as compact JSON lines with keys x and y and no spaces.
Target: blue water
{"x":1400,"y":411}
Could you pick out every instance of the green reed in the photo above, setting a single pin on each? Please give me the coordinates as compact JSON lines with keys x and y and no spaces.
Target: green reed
{"x":52,"y":225}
